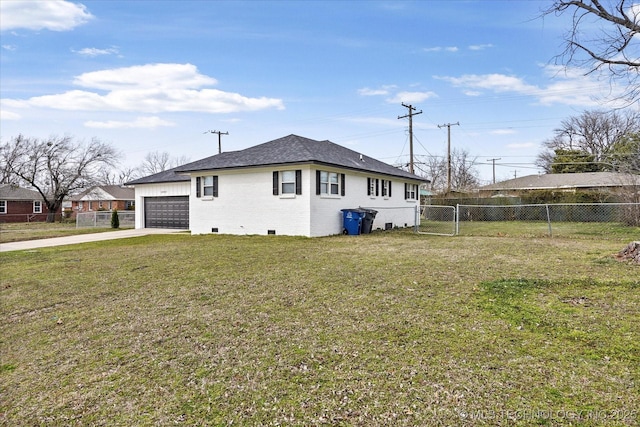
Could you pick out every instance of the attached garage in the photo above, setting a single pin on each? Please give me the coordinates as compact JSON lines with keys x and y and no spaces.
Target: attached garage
{"x":166,"y":212}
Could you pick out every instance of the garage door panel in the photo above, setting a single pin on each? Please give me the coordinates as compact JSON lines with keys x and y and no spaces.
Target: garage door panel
{"x":166,"y":212}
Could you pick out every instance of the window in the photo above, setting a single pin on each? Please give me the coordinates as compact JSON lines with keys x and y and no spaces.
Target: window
{"x":207,"y":186}
{"x":386,"y":188}
{"x":373,"y":187}
{"x":287,"y":182}
{"x":410,"y":191}
{"x":129,"y":205}
{"x":100,"y":204}
{"x":80,"y":206}
{"x":37,"y":206}
{"x":330,"y":183}
{"x":3,"y":206}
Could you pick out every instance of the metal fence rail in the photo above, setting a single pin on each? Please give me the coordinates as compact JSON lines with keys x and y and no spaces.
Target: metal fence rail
{"x":102,"y":219}
{"x":545,"y":218}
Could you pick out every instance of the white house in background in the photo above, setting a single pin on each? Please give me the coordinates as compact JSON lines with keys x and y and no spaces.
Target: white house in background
{"x":289,"y":186}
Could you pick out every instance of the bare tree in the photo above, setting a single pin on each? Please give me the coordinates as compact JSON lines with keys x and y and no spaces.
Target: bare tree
{"x":55,"y":167}
{"x":464,"y":176}
{"x":109,"y":176}
{"x":612,"y":50}
{"x":156,"y":161}
{"x":599,"y":134}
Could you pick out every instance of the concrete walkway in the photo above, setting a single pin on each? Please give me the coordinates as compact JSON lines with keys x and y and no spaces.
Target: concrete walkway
{"x":83,"y":238}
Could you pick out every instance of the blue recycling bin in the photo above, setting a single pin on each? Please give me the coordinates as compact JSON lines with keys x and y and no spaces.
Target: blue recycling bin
{"x":352,"y":221}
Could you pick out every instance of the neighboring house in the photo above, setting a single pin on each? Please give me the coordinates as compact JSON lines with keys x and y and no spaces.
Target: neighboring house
{"x":590,"y":181}
{"x":290,"y":186}
{"x":103,"y":198}
{"x":19,"y":204}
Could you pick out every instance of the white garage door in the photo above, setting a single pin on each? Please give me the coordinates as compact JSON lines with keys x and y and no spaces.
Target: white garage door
{"x":166,"y":212}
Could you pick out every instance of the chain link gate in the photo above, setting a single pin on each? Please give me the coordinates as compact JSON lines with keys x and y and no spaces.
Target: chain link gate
{"x":437,"y":220}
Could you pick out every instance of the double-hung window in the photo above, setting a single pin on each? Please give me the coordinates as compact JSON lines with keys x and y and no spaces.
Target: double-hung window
{"x":386,"y":188}
{"x":288,"y":182}
{"x":373,"y":187}
{"x":207,"y":186}
{"x":3,"y":206}
{"x":330,"y":183}
{"x":410,"y":191}
{"x":37,"y":206}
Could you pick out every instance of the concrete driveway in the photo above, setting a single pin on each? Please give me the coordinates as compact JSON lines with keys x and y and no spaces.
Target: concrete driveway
{"x":83,"y":238}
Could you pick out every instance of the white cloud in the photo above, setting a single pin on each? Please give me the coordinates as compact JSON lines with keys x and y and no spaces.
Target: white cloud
{"x":494,"y":82}
{"x":440,"y":49}
{"x":9,"y":47}
{"x":412,"y":97}
{"x":140,"y":122}
{"x":503,"y":132}
{"x":383,"y":90}
{"x":9,"y":115}
{"x":93,"y":52}
{"x":480,"y":46}
{"x":54,"y":15}
{"x":567,"y":86}
{"x":153,"y":88}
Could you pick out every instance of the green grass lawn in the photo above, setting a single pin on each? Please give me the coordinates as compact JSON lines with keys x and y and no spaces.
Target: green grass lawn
{"x":18,"y":232}
{"x":385,"y":329}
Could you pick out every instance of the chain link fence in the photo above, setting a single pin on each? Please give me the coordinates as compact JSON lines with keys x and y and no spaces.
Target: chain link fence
{"x":546,"y":219}
{"x":102,"y":219}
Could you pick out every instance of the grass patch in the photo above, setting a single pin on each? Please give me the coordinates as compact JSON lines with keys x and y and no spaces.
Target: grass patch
{"x":18,"y":232}
{"x":381,"y":329}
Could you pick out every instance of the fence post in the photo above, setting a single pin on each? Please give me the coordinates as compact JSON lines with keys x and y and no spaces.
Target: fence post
{"x":416,"y":218}
{"x":549,"y":220}
{"x":456,"y":213}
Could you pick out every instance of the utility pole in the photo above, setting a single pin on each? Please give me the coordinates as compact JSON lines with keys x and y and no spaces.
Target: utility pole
{"x":219,"y":138}
{"x":410,"y":115}
{"x":494,"y":168}
{"x":448,"y":126}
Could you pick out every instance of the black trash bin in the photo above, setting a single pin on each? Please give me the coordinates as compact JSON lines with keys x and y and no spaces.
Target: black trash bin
{"x":367,"y":220}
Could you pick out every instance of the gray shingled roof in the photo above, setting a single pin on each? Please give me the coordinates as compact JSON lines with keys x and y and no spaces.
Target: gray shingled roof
{"x":295,"y":149}
{"x":169,"y":175}
{"x":292,"y":149}
{"x":13,"y":192}
{"x":560,"y":181}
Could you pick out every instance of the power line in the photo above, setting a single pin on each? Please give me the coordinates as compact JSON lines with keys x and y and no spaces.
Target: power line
{"x":448,"y":126}
{"x":219,"y":138}
{"x":410,"y":115}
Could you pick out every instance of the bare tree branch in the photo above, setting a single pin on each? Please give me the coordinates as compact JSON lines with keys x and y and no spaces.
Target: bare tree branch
{"x":612,"y":50}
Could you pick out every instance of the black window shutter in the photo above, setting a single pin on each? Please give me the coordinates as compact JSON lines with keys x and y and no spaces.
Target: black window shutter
{"x":298,"y":181}
{"x":368,"y":186}
{"x":198,"y":179}
{"x":215,"y":186}
{"x":342,"y":181}
{"x":389,"y":188}
{"x":377,"y":187}
{"x":276,"y":184}
{"x":317,"y":182}
{"x":406,"y":190}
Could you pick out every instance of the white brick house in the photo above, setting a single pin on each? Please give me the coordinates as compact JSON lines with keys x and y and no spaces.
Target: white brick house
{"x":289,"y":186}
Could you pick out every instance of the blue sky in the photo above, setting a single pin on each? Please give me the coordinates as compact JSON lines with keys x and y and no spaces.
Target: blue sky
{"x":156,"y":75}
